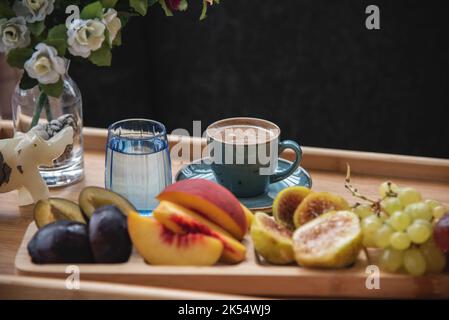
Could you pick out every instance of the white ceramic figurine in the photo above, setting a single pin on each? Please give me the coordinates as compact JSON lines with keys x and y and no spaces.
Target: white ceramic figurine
{"x":20,"y":158}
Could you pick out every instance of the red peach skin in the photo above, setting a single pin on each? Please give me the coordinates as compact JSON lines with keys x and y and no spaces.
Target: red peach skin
{"x":160,"y":246}
{"x":210,"y":200}
{"x":182,"y":221}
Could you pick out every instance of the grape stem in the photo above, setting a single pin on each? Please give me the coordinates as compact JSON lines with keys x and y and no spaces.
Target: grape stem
{"x":354,"y":190}
{"x":368,"y":258}
{"x":390,"y":192}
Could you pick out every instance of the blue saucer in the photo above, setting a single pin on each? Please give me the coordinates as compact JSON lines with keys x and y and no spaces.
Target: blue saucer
{"x":200,"y":170}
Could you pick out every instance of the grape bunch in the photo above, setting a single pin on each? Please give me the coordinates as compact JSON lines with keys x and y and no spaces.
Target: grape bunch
{"x":402,"y":224}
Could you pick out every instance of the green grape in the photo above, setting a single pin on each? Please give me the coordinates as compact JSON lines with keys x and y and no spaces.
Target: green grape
{"x":391,"y":205}
{"x":409,"y":196}
{"x":371,"y":224}
{"x":386,"y":187}
{"x":400,"y":240}
{"x":432,"y":203}
{"x":383,"y":216}
{"x":391,"y":260}
{"x":400,"y":220}
{"x":419,"y":231}
{"x":382,"y":236}
{"x":414,"y":262}
{"x":363,"y":211}
{"x":435,"y":258}
{"x":368,"y":240}
{"x":439,"y":211}
{"x":419,"y":210}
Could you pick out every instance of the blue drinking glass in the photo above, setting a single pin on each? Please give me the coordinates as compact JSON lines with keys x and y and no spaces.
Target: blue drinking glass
{"x":138,"y":161}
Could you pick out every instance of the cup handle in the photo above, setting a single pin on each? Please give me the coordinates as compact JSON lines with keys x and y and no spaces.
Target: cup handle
{"x":288,"y":144}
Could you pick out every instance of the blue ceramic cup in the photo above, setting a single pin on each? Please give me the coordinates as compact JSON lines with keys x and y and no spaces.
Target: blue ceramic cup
{"x":244,"y":154}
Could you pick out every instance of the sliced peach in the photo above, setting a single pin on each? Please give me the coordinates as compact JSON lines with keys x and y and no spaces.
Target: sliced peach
{"x":183,"y":221}
{"x":211,"y":200}
{"x":248,"y":214}
{"x":160,"y":246}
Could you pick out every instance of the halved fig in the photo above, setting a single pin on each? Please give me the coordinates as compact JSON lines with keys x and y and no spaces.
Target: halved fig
{"x":285,"y":204}
{"x":92,"y":198}
{"x":56,"y":209}
{"x":316,"y":204}
{"x":272,"y":240}
{"x":332,"y":240}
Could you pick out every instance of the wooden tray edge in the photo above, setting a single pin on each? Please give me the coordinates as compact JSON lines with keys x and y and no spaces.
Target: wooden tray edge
{"x":345,"y":283}
{"x":370,"y":163}
{"x":18,"y":287}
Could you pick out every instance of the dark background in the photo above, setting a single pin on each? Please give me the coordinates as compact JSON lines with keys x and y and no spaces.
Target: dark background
{"x":310,"y":66}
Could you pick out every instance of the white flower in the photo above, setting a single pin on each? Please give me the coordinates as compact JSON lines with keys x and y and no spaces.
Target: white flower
{"x":33,"y":10}
{"x":113,"y":24}
{"x":45,"y":65}
{"x":85,"y":36}
{"x":13,"y":34}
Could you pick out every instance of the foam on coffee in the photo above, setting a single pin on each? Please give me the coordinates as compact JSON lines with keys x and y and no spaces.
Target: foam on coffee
{"x":242,"y":134}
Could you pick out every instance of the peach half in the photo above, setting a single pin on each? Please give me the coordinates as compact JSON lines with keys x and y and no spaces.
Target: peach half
{"x":160,"y":246}
{"x":212,"y":201}
{"x":181,"y":220}
{"x":248,"y":214}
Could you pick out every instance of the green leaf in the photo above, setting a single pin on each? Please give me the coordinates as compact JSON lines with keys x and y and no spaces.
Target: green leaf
{"x":92,"y":11}
{"x":36,"y":28}
{"x":57,"y":37}
{"x":59,"y":44}
{"x":54,"y":89}
{"x":108,"y":3}
{"x":118,"y":39}
{"x":141,"y":6}
{"x":183,"y":5}
{"x":152,"y":2}
{"x":124,"y":19}
{"x":167,"y":11}
{"x":101,"y":57}
{"x":58,"y":32}
{"x":26,"y":82}
{"x":6,"y":11}
{"x":17,"y":57}
{"x":204,"y":11}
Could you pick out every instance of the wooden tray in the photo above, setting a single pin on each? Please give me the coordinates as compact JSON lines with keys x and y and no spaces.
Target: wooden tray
{"x":253,"y":277}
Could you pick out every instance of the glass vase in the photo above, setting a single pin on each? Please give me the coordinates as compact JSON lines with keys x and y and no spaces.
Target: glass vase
{"x":48,"y":115}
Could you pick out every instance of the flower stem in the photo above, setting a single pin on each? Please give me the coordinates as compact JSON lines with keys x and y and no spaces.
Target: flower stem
{"x":42,"y":101}
{"x":48,"y":111}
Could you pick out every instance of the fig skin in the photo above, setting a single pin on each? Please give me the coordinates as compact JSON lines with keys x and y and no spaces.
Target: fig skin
{"x":92,"y":198}
{"x":61,"y":242}
{"x":55,"y":209}
{"x":108,"y":234}
{"x":316,"y":204}
{"x":285,"y":204}
{"x":340,"y":236}
{"x":271,"y":240}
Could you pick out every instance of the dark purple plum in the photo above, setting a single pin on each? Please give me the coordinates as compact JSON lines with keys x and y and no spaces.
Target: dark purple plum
{"x":108,"y":234}
{"x":61,"y":242}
